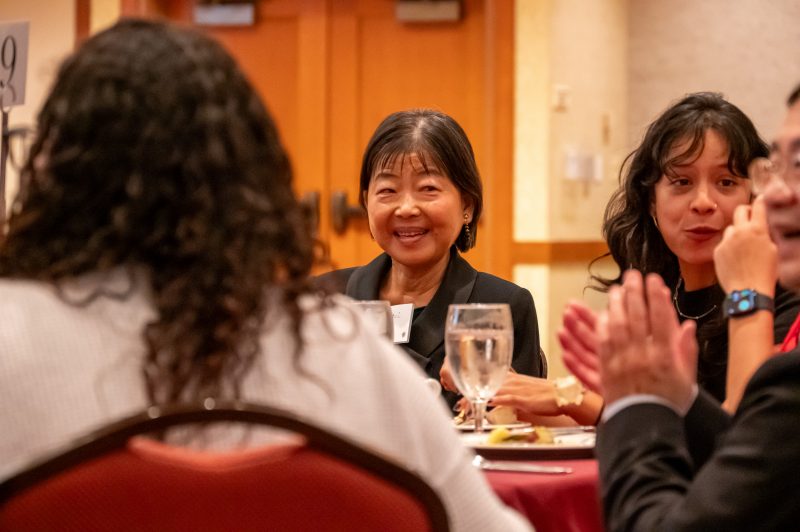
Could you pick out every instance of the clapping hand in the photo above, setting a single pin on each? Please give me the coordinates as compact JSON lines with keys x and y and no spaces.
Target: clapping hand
{"x":579,"y":345}
{"x":642,"y":347}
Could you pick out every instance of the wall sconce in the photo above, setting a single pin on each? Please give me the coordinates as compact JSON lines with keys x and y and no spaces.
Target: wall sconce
{"x":582,"y":166}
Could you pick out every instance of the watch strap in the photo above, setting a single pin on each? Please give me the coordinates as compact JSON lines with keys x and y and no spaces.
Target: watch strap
{"x":569,"y":391}
{"x":745,"y":302}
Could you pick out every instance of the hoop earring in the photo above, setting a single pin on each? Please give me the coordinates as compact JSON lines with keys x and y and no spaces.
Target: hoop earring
{"x":466,"y":231}
{"x":655,"y":221}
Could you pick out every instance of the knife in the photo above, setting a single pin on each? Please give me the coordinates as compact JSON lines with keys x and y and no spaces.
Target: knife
{"x":518,"y":467}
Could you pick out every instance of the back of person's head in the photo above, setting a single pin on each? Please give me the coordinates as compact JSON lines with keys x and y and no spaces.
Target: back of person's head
{"x":154,"y":152}
{"x":431,"y":135}
{"x":630,"y":231}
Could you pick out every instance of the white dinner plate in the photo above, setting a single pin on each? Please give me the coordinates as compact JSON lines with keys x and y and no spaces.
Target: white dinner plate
{"x":568,"y":443}
{"x":469,"y":426}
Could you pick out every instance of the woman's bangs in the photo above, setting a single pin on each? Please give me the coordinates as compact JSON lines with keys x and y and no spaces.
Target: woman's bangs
{"x":685,"y":150}
{"x":388,"y":155}
{"x":740,"y":152}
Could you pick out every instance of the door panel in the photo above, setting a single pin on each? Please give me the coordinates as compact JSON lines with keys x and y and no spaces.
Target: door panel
{"x":384,"y":66}
{"x":284,"y":56}
{"x":330,"y":70}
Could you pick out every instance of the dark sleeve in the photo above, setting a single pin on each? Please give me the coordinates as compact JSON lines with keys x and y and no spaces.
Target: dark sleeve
{"x":704,"y":423}
{"x":333,"y":281}
{"x":787,"y":305}
{"x":528,"y":358}
{"x":416,"y":357}
{"x":748,"y":483}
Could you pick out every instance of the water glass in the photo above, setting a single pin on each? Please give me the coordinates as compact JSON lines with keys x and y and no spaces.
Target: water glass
{"x":380,"y":314}
{"x":479,"y":342}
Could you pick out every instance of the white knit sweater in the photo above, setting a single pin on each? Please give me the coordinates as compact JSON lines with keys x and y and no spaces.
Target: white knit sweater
{"x":67,"y":368}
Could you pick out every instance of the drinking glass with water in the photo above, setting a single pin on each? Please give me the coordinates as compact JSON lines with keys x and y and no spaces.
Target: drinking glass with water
{"x":380,"y":314}
{"x":479,"y":341}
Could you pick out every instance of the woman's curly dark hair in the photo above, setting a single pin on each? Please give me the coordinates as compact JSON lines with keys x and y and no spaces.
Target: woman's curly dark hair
{"x":633,"y":239}
{"x":153,"y":151}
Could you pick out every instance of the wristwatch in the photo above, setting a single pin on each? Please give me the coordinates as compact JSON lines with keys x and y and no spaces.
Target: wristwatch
{"x":569,"y":391}
{"x":744,"y":302}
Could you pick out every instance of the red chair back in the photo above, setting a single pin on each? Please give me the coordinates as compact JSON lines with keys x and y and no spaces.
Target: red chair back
{"x":147,"y":485}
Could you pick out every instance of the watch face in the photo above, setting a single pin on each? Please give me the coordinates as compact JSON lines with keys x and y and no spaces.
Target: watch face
{"x":743,"y":301}
{"x":569,"y":391}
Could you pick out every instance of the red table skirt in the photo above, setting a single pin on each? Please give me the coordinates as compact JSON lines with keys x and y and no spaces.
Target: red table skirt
{"x":554,"y":503}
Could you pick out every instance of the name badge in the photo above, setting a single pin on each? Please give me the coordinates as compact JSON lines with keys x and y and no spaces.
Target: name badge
{"x":401,"y":318}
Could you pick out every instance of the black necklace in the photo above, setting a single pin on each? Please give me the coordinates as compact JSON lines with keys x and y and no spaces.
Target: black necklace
{"x":687,"y":316}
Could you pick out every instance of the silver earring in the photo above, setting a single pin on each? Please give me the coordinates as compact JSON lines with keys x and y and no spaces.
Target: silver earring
{"x":655,"y":221}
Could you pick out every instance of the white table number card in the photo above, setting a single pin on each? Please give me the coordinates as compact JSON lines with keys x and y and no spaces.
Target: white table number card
{"x":402,"y":316}
{"x":13,"y":63}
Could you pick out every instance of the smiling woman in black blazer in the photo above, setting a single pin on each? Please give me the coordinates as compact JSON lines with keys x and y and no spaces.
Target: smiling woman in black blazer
{"x":423,"y":195}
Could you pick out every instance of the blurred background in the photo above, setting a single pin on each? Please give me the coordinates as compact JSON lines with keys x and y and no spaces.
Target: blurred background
{"x":552,"y":93}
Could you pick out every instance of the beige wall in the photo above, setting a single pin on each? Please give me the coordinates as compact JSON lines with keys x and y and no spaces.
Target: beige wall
{"x":587,"y":55}
{"x":579,"y":48}
{"x":554,"y":288}
{"x":51,"y":38}
{"x":747,"y":49}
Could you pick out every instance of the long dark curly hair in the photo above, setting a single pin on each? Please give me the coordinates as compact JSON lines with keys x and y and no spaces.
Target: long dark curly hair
{"x":154,"y":152}
{"x":429,"y":134}
{"x":633,"y":239}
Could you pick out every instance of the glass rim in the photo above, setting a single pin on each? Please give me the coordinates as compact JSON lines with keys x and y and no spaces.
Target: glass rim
{"x":478,"y":305}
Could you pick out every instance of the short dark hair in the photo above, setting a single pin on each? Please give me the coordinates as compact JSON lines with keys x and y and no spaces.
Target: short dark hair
{"x":153,"y":151}
{"x":633,"y":238}
{"x":429,"y":134}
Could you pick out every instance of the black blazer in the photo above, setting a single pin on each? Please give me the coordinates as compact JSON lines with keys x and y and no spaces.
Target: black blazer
{"x":749,"y":480}
{"x":461,"y":284}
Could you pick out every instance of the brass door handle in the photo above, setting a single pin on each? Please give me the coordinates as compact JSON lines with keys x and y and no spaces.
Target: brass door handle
{"x":341,"y":212}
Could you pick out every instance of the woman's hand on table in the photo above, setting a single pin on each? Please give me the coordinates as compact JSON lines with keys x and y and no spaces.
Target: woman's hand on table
{"x":446,"y":377}
{"x":535,"y":400}
{"x":527,"y":394}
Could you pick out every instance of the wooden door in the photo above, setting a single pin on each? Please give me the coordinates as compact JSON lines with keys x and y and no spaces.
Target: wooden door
{"x":330,"y":70}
